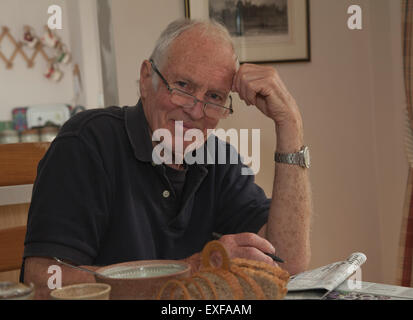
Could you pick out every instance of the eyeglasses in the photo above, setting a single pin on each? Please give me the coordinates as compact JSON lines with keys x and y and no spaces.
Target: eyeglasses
{"x":213,"y":107}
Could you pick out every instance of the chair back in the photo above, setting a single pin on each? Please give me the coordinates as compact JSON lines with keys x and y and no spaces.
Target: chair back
{"x":18,"y":166}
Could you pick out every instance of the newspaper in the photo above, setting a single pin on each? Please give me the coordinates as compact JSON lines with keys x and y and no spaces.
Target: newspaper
{"x":371,"y":291}
{"x":317,"y":283}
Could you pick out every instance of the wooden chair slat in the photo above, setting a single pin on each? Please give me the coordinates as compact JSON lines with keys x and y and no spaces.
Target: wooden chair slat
{"x":18,"y":162}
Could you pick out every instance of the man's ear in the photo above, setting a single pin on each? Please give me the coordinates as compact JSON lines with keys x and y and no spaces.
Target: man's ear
{"x":145,"y":81}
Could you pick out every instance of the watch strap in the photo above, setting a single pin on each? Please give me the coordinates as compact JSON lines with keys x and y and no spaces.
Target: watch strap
{"x":301,"y":158}
{"x":291,"y":158}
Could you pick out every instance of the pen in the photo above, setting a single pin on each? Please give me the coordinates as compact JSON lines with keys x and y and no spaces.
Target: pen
{"x":217,"y":236}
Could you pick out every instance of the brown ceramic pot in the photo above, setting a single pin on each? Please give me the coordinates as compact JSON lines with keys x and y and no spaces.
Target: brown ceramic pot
{"x":141,"y":280}
{"x":82,"y":291}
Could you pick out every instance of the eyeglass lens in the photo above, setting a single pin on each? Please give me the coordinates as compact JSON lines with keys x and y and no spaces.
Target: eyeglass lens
{"x":188,"y":101}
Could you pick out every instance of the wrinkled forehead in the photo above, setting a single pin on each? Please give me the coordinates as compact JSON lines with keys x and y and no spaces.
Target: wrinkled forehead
{"x":197,"y":48}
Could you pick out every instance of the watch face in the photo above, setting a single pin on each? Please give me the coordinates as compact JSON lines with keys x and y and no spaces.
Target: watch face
{"x":307,"y":157}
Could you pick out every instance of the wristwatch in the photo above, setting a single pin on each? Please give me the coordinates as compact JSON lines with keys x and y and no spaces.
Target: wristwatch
{"x":301,"y":158}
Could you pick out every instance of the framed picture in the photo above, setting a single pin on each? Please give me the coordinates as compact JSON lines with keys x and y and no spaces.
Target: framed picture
{"x":264,"y":31}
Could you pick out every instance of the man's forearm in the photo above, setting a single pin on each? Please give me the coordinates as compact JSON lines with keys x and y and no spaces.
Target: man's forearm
{"x":36,"y":272}
{"x":288,"y":226}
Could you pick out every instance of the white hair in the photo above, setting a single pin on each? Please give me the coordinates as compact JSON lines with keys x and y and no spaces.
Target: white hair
{"x":210,"y":28}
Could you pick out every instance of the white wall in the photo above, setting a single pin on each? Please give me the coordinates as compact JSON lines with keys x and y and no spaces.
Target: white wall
{"x":389,"y":115}
{"x":352,"y":102}
{"x":84,"y":37}
{"x":136,"y":26}
{"x":21,"y":86}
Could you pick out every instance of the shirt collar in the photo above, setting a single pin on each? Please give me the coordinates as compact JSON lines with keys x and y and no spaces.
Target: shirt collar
{"x":138,"y":132}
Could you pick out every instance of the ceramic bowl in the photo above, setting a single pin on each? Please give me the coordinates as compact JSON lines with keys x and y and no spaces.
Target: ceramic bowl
{"x":141,"y":280}
{"x":16,"y":291}
{"x":82,"y":291}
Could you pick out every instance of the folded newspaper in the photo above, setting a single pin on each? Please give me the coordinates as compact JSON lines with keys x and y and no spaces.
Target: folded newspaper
{"x":318,"y":283}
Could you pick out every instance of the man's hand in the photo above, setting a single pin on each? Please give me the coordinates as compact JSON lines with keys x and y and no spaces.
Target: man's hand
{"x":261,"y":86}
{"x":247,"y":245}
{"x":241,"y":245}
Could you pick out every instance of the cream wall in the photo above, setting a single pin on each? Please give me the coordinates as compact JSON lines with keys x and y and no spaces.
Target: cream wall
{"x":21,"y":86}
{"x":136,"y":26}
{"x":389,"y":115}
{"x":352,"y":102}
{"x":84,"y":37}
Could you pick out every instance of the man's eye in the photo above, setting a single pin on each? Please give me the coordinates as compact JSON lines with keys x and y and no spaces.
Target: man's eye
{"x":182,"y":84}
{"x":215,"y":97}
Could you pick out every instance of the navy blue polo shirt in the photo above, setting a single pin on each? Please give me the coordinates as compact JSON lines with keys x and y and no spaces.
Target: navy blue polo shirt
{"x":98,"y":198}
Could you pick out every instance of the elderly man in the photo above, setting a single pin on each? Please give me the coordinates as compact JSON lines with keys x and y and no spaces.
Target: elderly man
{"x":100,"y":198}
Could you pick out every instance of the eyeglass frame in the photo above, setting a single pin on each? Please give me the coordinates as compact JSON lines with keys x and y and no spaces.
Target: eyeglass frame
{"x":196,"y":100}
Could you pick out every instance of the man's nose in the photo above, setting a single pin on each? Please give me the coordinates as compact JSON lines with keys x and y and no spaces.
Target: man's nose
{"x":197,"y":111}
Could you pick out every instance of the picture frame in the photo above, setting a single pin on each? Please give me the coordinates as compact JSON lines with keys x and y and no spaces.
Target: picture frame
{"x":257,"y":37}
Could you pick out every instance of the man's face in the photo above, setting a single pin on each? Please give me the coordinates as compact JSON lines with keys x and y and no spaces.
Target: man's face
{"x":203,"y":66}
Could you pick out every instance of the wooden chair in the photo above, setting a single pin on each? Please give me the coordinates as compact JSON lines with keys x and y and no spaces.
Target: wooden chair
{"x":18,"y":166}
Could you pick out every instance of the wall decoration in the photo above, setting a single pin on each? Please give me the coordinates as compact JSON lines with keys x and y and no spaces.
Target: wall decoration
{"x":5,"y":34}
{"x":263,"y":30}
{"x":58,"y":51}
{"x":49,"y":38}
{"x":29,"y":38}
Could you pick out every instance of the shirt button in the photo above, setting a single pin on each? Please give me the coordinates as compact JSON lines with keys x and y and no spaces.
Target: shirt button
{"x":166,"y":194}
